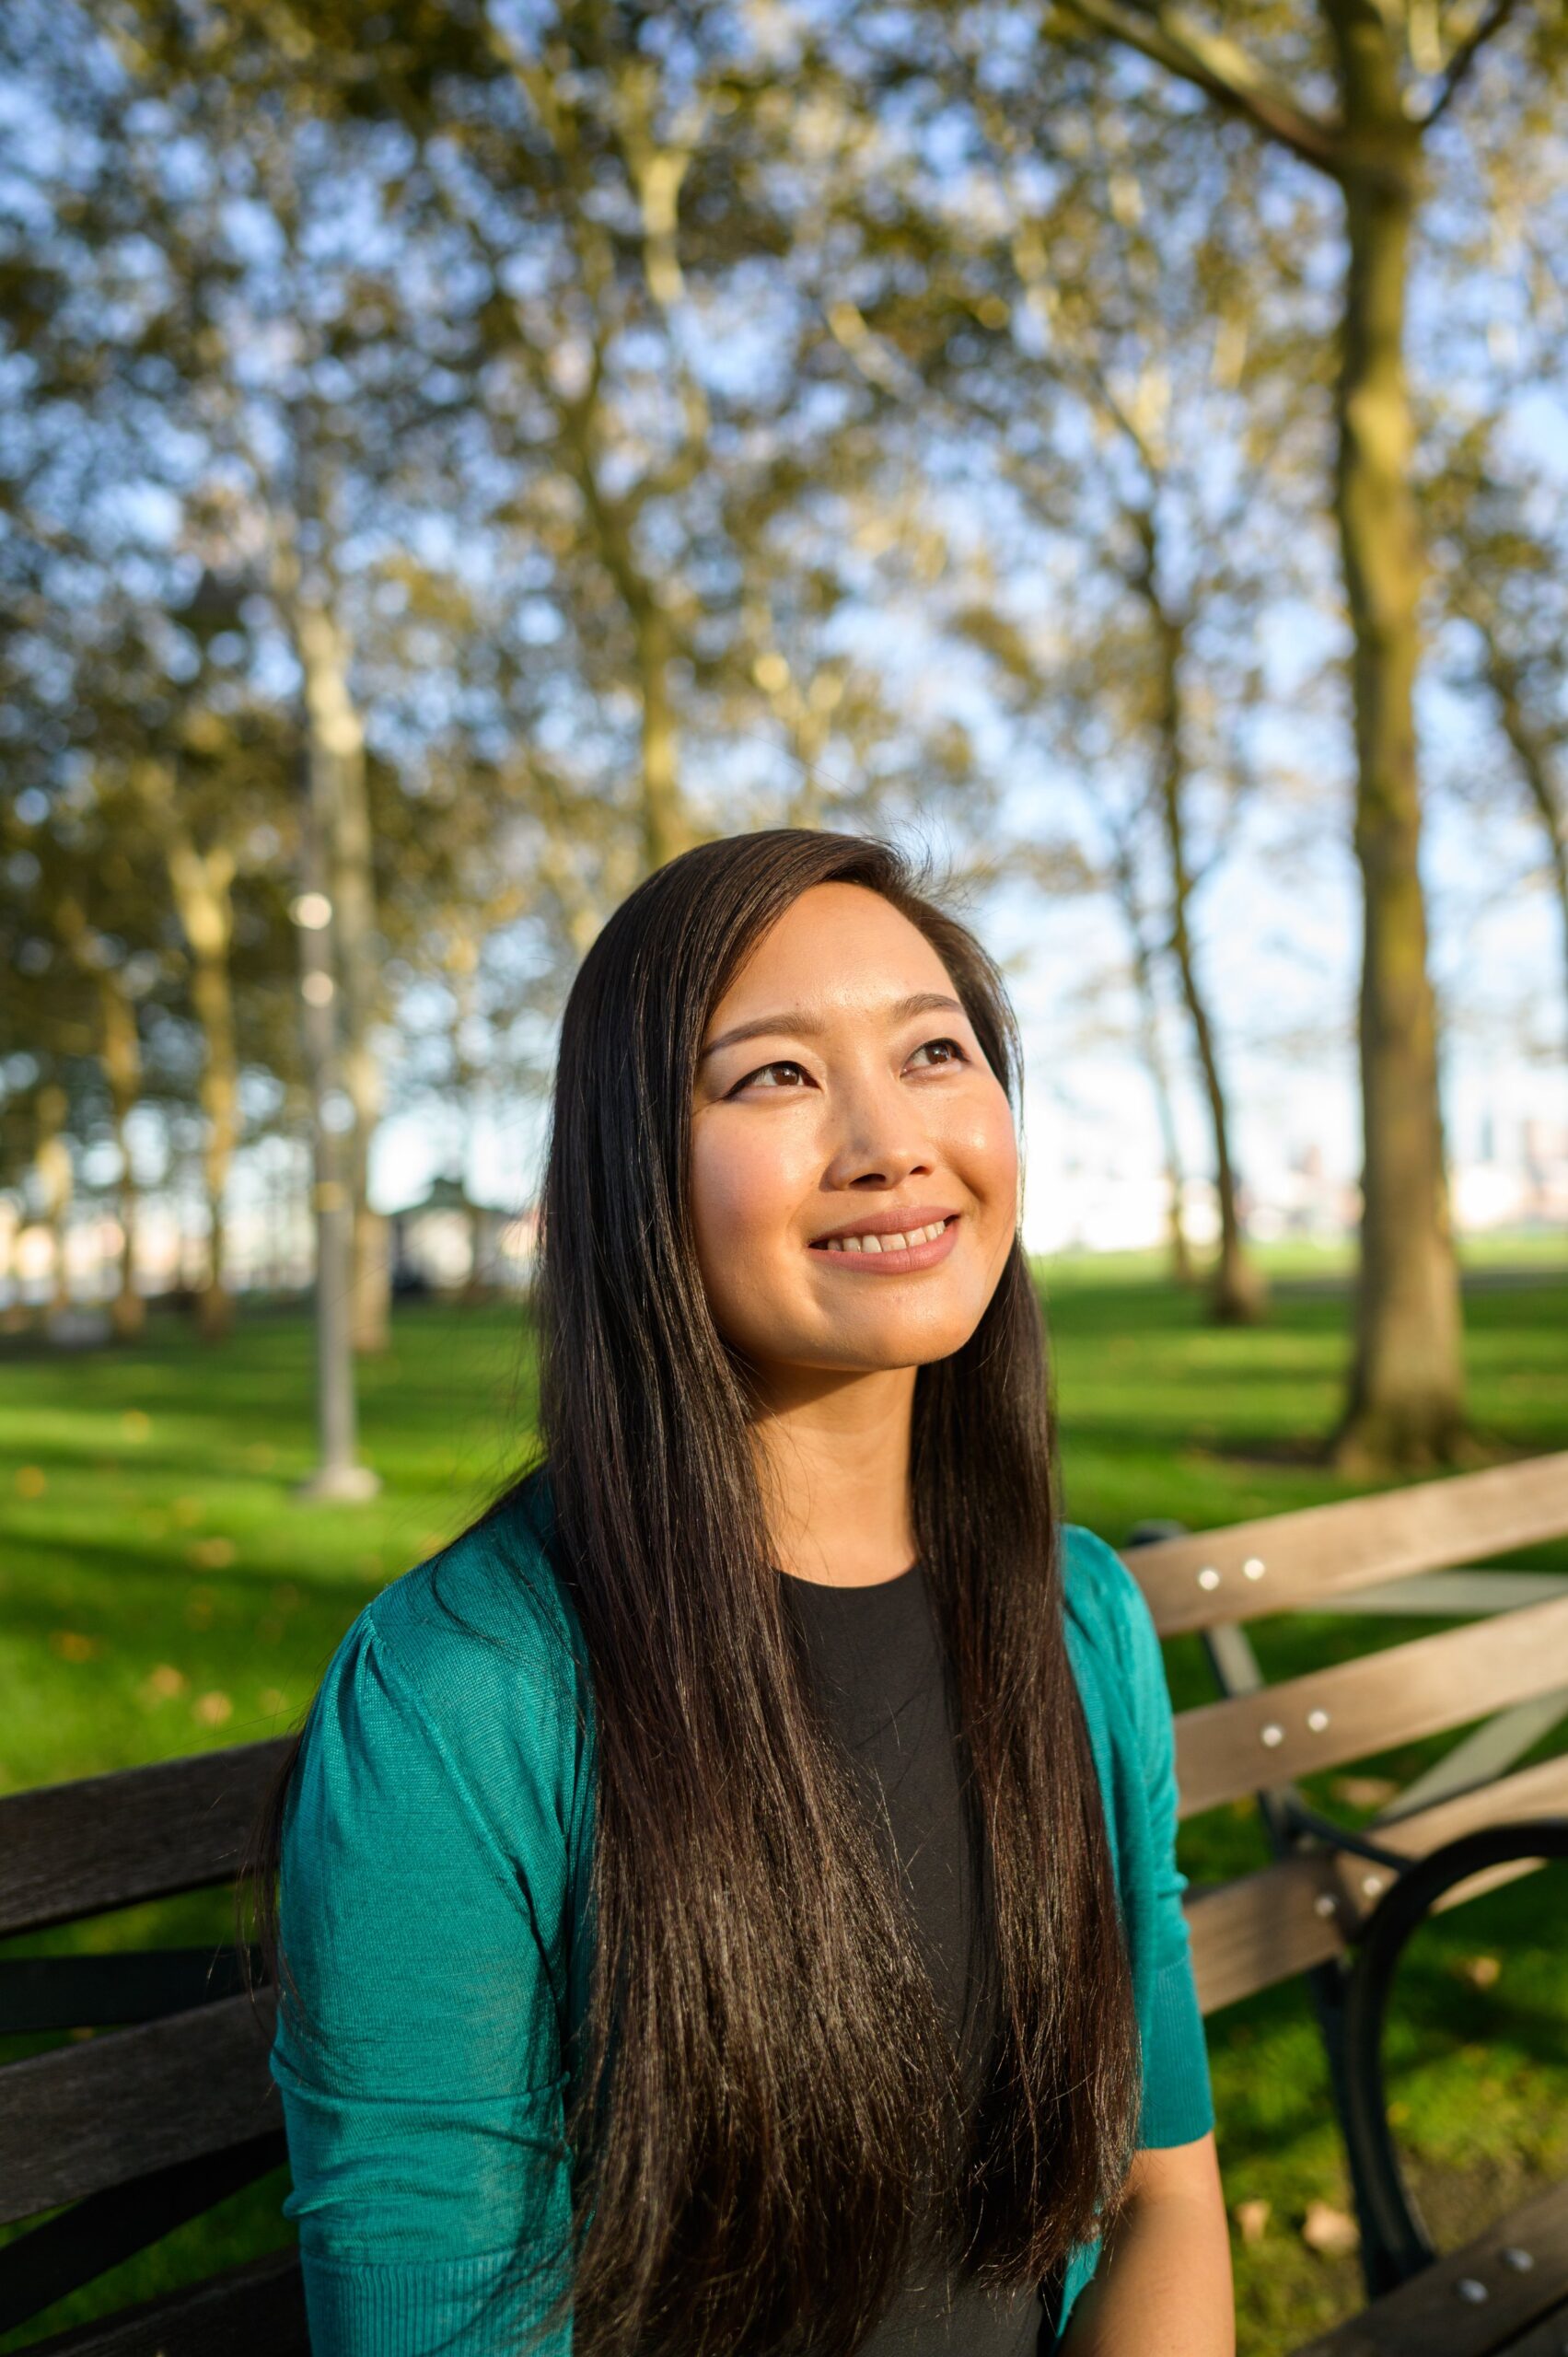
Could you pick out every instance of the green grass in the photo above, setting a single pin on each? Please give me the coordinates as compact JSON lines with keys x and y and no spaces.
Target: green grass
{"x":162,"y":1590}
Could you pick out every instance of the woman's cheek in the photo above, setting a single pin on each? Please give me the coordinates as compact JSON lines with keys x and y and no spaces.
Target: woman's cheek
{"x":983,"y":1150}
{"x":739,"y":1206}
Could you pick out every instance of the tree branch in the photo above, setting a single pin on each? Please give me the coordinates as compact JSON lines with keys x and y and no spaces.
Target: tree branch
{"x":1465,"y":56}
{"x":1222,"y":68}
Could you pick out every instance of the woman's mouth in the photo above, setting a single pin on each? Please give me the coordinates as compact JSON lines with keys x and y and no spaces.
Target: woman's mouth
{"x":893,"y":1255}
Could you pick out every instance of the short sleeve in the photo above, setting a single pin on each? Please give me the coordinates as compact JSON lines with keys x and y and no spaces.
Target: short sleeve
{"x":418,"y":2055}
{"x":1177,"y":2104}
{"x":1177,"y":2098}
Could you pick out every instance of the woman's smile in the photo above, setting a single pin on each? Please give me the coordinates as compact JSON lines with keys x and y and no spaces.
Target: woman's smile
{"x":892,"y":1243}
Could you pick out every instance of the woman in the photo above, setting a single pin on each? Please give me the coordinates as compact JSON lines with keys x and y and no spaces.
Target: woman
{"x":728,"y":1900}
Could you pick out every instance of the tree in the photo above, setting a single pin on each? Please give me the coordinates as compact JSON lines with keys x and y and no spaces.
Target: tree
{"x":1406,"y":1401}
{"x":1124,"y":561}
{"x":1504,"y":538}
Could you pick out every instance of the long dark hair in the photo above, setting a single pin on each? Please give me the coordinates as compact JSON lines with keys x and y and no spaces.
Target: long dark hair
{"x":769,"y":2119}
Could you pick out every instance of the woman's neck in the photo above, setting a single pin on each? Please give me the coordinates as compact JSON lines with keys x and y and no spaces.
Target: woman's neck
{"x":833,"y":1457}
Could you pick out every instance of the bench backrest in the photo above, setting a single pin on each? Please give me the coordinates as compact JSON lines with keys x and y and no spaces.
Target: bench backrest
{"x":1390,"y":1553}
{"x":132,"y":2135}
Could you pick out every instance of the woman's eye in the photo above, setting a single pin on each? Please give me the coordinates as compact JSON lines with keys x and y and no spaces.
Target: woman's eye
{"x":784,"y":1066}
{"x":957,"y":1055}
{"x":759,"y":1077}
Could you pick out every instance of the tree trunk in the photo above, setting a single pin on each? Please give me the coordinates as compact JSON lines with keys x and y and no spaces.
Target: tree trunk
{"x":213,"y":1000}
{"x":121,"y":1051}
{"x":337,"y":737}
{"x":338,"y":1473}
{"x":1535,"y":764}
{"x":664,"y":830}
{"x":201,"y":883}
{"x":1175,"y":1177}
{"x":1153,"y":1050}
{"x":1406,"y":1401}
{"x":1236,"y":1290}
{"x":53,"y":1159}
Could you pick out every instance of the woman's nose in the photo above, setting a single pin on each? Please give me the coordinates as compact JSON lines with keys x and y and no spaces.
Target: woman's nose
{"x":880,"y":1140}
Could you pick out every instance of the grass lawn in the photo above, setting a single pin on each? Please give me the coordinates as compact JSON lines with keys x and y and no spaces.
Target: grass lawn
{"x":161,"y":1591}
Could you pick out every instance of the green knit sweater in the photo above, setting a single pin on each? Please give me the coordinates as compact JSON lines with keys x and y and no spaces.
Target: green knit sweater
{"x":436,"y":1853}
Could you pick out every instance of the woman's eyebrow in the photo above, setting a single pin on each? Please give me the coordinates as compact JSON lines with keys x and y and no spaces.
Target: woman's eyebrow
{"x":803,"y":1025}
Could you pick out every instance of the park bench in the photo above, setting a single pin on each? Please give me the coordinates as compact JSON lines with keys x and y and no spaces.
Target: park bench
{"x":126,"y":2134}
{"x":1339,"y":1904}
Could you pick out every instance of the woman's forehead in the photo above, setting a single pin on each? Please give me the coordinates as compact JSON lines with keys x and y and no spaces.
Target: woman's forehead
{"x":838,"y":950}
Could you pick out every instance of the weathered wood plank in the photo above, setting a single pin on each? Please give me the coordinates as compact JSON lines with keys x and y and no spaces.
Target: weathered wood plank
{"x":1547,"y":2338}
{"x":1226,"y":1749}
{"x":77,"y":1849}
{"x":253,"y":2311}
{"x":1429,"y":2317}
{"x":1289,"y":1560}
{"x":1251,"y":1932}
{"x":51,"y":1992}
{"x":106,"y":2111}
{"x":1262,"y":1927}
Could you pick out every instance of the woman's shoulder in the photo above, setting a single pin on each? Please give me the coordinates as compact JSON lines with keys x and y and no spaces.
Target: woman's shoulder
{"x":1110,"y":1613}
{"x":473,"y":1652}
{"x":493,"y":1591}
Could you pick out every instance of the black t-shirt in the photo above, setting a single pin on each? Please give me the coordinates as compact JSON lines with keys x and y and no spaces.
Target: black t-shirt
{"x":877,"y":1673}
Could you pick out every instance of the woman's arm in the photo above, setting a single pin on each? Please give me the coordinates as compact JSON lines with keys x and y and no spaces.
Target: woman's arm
{"x":1163,"y":2286}
{"x":418,"y":2057}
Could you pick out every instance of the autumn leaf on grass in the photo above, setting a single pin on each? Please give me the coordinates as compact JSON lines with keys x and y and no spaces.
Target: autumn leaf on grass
{"x":1252,"y":2217}
{"x":160,"y":1685}
{"x":212,"y":1554}
{"x":71,"y":1645}
{"x":1327,"y":2230}
{"x":212,"y":1709}
{"x":1481,"y":1971}
{"x":31,"y":1481}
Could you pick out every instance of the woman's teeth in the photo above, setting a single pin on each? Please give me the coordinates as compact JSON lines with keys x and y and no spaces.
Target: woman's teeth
{"x":885,"y":1243}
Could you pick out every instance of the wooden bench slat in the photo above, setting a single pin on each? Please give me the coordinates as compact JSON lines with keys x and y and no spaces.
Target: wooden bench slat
{"x":1264,"y":1927}
{"x":1544,"y":2340}
{"x":1309,"y":1556}
{"x":1368,"y":1705}
{"x":79,"y":1848}
{"x":109,"y":2109}
{"x":257,"y":2310}
{"x":1426,"y":2316}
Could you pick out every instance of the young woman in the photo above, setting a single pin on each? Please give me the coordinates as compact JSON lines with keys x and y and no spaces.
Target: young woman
{"x":729,"y":1902}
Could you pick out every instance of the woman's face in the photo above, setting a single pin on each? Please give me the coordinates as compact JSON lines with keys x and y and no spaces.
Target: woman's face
{"x":857,"y":1107}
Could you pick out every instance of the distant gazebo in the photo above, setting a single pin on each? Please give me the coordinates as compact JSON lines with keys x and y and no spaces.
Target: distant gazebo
{"x":448,"y":1243}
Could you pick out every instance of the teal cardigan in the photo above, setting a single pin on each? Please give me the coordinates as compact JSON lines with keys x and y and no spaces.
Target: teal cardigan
{"x":434,"y":1868}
